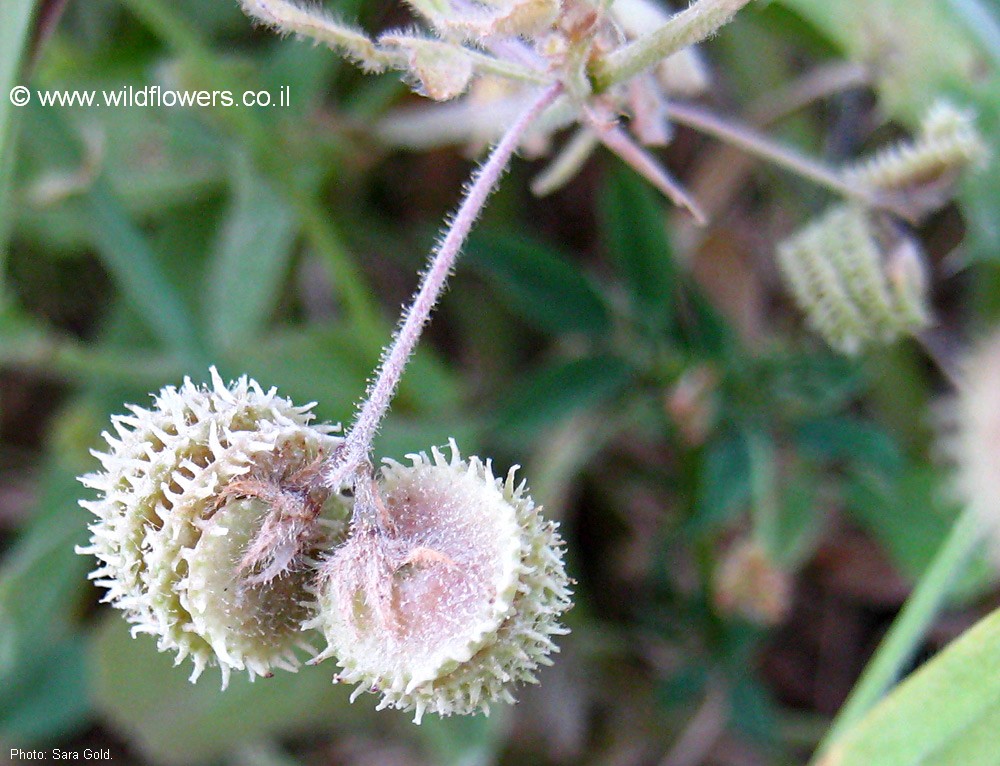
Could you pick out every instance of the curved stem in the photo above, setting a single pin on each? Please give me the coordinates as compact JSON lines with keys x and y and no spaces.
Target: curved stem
{"x":910,"y":626}
{"x":357,"y":445}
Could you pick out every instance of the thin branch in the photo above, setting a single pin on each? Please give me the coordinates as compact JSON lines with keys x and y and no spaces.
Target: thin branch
{"x":752,"y":142}
{"x":618,"y":141}
{"x":357,"y":445}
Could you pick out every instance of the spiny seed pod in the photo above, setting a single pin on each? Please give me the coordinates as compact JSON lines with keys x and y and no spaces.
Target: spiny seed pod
{"x":946,"y":142}
{"x":449,"y":589}
{"x":856,"y":285}
{"x":186,"y":486}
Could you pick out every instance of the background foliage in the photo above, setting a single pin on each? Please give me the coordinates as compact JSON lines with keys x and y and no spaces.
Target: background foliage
{"x":657,"y":385}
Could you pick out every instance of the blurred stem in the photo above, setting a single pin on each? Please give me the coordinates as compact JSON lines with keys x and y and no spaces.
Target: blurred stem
{"x":749,"y":140}
{"x":344,"y":274}
{"x":764,"y":501}
{"x":347,"y":280}
{"x":909,"y":627}
{"x":692,"y":25}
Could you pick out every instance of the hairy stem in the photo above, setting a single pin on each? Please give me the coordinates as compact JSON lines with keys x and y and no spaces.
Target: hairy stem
{"x":752,"y":142}
{"x":357,"y":445}
{"x":688,"y":27}
{"x":618,"y":141}
{"x":910,"y":626}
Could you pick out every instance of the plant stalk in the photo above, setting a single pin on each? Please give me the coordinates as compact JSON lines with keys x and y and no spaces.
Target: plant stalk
{"x":357,"y":446}
{"x":692,"y":25}
{"x":746,"y":138}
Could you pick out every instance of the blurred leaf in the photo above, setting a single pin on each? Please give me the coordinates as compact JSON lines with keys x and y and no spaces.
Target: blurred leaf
{"x":464,"y":740}
{"x":683,"y":686}
{"x":980,"y":19}
{"x":850,"y":440}
{"x":723,"y":483}
{"x":42,"y":577}
{"x":306,"y":70}
{"x":546,"y":288}
{"x":42,"y":581}
{"x":152,"y":704}
{"x":15,"y":23}
{"x":909,"y":517}
{"x":45,"y":698}
{"x":401,"y":436}
{"x":152,"y":159}
{"x":799,"y":525}
{"x":126,"y":253}
{"x":921,"y":47}
{"x":249,"y":261}
{"x":634,"y":225}
{"x":753,"y":709}
{"x":329,"y":365}
{"x":945,"y":714}
{"x":553,"y":393}
{"x":807,"y":383}
{"x":30,"y":345}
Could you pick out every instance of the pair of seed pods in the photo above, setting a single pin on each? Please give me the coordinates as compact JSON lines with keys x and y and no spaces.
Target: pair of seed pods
{"x":440,"y":596}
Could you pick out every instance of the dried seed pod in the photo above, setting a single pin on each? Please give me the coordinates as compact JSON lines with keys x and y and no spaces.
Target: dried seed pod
{"x":857,"y":281}
{"x":186,"y":486}
{"x":750,"y":584}
{"x":449,"y":589}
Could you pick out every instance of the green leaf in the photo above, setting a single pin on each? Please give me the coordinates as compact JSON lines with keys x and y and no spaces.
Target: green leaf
{"x":850,"y":440}
{"x":46,"y":697}
{"x":464,"y":740}
{"x":249,"y":260}
{"x":128,"y":256}
{"x":908,"y":515}
{"x":15,"y":23}
{"x":634,"y":227}
{"x":923,"y":47}
{"x":945,"y":714}
{"x":326,"y":364}
{"x":807,"y":383}
{"x":723,"y":483}
{"x":126,"y":252}
{"x":42,"y":578}
{"x":149,"y":701}
{"x":546,"y":288}
{"x":553,"y":393}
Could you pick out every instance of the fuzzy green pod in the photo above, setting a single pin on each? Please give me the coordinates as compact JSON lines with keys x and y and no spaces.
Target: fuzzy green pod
{"x":450,"y":594}
{"x":855,"y":286}
{"x":186,"y":486}
{"x":946,"y":142}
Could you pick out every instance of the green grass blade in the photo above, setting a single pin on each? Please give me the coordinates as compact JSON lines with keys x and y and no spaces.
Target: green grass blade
{"x":249,"y":261}
{"x":15,"y":23}
{"x":945,"y":714}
